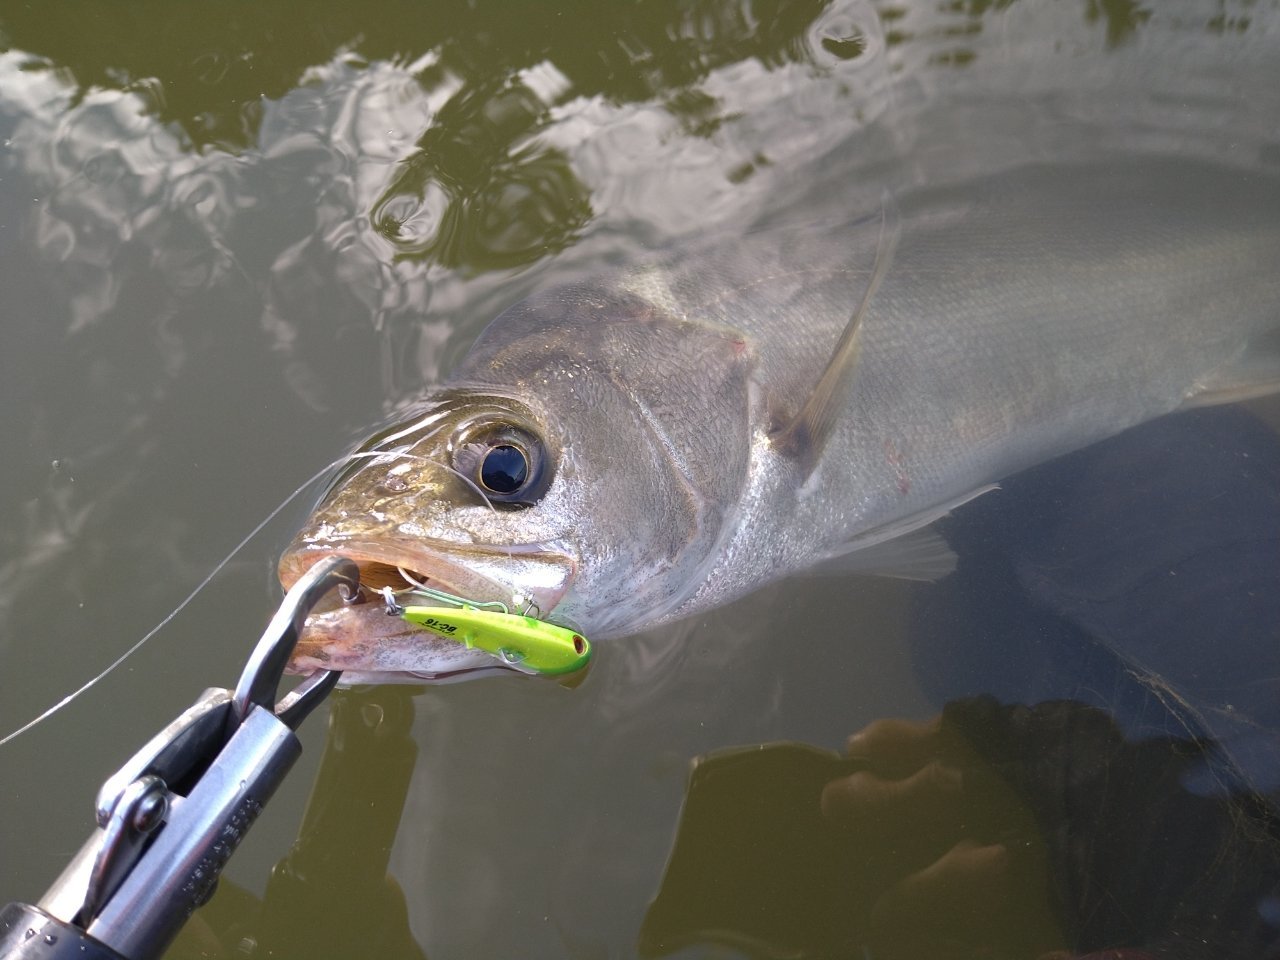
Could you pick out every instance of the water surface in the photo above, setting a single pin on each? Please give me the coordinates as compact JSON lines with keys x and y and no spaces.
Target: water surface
{"x":232,"y":241}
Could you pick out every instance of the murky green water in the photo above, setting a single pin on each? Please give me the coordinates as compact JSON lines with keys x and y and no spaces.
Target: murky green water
{"x":231,"y":238}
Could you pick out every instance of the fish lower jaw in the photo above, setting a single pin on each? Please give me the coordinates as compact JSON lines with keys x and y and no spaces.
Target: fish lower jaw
{"x":356,"y":678}
{"x":369,"y":644}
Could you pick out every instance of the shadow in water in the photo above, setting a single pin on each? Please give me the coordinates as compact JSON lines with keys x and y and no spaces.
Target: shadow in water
{"x":1137,"y":576}
{"x":1127,"y":593}
{"x":1007,"y":831}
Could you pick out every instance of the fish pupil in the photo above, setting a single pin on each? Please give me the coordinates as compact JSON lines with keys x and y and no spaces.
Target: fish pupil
{"x":504,"y":469}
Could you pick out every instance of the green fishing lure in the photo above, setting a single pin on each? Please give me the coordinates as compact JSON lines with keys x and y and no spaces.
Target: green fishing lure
{"x":526,"y":643}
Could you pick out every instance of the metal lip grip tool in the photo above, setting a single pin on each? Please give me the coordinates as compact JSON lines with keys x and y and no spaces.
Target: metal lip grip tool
{"x":170,"y":818}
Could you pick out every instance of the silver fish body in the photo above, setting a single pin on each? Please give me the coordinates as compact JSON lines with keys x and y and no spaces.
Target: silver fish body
{"x":1021,"y":316}
{"x":1024,"y":316}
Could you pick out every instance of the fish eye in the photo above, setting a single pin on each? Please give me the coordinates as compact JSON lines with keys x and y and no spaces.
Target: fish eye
{"x":508,"y":464}
{"x":504,"y":469}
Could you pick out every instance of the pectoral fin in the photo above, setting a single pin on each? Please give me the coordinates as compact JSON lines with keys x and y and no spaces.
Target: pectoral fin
{"x":1255,"y":373}
{"x":922,"y":555}
{"x":804,"y":436}
{"x":904,"y":549}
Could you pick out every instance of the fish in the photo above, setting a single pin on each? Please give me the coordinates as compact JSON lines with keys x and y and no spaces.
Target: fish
{"x":627,"y":450}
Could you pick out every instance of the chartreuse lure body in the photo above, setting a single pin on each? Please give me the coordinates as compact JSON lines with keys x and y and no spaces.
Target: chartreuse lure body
{"x":526,"y":643}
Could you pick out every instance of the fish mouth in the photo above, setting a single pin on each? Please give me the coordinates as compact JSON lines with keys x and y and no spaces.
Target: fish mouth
{"x":529,"y":572}
{"x":358,"y":639}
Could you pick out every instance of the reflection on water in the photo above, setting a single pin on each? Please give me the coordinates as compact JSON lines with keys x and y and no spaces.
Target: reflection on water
{"x":476,"y":194}
{"x":230,"y":241}
{"x":478,"y":190}
{"x":202,"y":75}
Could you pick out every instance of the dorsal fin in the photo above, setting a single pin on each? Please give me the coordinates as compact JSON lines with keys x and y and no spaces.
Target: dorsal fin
{"x":805,"y":435}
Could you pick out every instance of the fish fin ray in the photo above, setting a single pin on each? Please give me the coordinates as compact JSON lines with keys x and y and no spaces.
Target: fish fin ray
{"x":920,"y":555}
{"x":1255,"y":373}
{"x":805,"y":435}
{"x":904,"y":549}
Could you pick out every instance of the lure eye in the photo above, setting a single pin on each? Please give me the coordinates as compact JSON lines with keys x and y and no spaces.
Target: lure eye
{"x":506,"y":463}
{"x":504,"y":469}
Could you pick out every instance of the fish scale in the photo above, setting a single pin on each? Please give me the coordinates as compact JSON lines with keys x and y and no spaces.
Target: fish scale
{"x":1021,"y":316}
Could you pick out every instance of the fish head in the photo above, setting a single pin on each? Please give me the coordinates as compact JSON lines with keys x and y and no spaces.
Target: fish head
{"x":581,"y":462}
{"x":443,"y":498}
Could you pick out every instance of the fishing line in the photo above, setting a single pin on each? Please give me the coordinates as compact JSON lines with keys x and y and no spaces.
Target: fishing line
{"x":358,"y":455}
{"x":50,"y":711}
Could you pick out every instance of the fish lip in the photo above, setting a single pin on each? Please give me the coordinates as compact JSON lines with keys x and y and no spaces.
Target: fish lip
{"x":451,"y":574}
